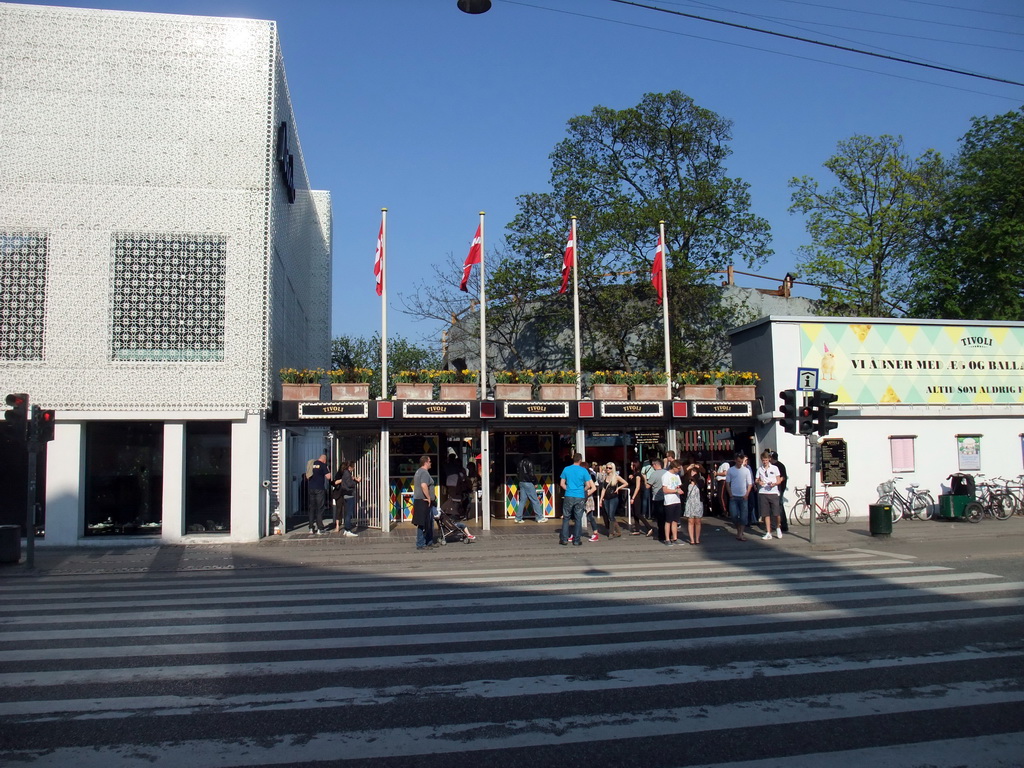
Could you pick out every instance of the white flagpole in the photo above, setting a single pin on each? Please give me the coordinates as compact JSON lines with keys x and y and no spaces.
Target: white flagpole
{"x":384,"y":304}
{"x":483,"y":316}
{"x":576,"y":307}
{"x":664,"y":310}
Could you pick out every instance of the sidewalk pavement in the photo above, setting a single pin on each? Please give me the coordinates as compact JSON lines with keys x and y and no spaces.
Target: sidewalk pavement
{"x":504,"y":540}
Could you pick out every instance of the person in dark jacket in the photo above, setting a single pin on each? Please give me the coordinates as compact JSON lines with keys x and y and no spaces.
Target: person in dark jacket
{"x":318,"y":473}
{"x":528,"y":491}
{"x":344,"y":494}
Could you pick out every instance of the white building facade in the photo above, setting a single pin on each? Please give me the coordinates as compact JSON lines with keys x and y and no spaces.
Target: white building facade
{"x":918,"y":399}
{"x":161,"y":257}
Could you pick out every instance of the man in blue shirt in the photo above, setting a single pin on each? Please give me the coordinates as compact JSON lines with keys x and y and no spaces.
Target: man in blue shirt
{"x":576,"y":486}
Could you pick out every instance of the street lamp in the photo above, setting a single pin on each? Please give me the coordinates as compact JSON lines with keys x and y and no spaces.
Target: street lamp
{"x":474,"y":6}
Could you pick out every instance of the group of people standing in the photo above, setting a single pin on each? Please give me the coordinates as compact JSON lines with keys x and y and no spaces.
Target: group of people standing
{"x":749,"y":495}
{"x":341,"y":485}
{"x":660,"y":496}
{"x":665,"y":493}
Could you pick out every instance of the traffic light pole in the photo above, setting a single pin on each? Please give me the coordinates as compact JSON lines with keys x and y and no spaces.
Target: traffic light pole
{"x":30,"y":513}
{"x":812,"y":445}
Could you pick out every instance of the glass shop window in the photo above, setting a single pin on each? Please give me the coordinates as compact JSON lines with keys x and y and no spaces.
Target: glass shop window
{"x":124,"y":480}
{"x":208,"y":477}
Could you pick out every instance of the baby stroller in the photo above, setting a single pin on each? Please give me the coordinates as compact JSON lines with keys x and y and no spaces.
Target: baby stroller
{"x":451,"y":530}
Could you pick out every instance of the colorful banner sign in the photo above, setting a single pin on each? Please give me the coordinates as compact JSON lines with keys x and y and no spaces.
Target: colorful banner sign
{"x":916,"y":364}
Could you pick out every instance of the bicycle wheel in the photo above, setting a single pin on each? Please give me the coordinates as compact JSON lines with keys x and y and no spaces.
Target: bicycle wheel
{"x":837,"y":510}
{"x":923,"y":506}
{"x":897,"y":512}
{"x":800,"y":513}
{"x":973,"y":512}
{"x":1001,"y":505}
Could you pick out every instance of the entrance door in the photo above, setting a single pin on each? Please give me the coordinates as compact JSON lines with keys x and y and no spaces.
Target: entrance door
{"x":365,"y":451}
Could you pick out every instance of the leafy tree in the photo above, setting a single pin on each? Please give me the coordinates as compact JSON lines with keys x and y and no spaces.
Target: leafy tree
{"x":619,"y":172}
{"x":363,"y":352}
{"x":867,"y":229}
{"x":972,"y":267}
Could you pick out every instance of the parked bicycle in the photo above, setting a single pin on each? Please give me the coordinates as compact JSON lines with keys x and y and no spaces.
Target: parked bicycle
{"x":829,"y":508}
{"x":1011,"y":493}
{"x":990,"y":500}
{"x":916,"y":505}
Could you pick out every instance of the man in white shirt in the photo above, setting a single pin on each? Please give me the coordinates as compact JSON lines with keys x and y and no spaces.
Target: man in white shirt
{"x":768,"y":497}
{"x":720,"y":487}
{"x":658,"y":498}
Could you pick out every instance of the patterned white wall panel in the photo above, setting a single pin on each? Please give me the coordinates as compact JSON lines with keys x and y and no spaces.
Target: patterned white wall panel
{"x":131,"y":124}
{"x":300,"y":304}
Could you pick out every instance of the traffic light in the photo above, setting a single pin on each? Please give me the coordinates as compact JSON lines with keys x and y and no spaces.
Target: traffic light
{"x":44,"y":426}
{"x":823,"y":412}
{"x":789,"y":408}
{"x":17,"y":416}
{"x":805,"y":419}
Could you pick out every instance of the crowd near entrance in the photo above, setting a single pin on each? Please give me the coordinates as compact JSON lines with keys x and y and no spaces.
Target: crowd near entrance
{"x":481,"y":476}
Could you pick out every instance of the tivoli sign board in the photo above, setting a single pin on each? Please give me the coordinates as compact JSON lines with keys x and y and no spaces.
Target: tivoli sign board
{"x":917,"y":364}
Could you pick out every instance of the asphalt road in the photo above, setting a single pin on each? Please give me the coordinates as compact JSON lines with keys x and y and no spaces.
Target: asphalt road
{"x":513,"y":651}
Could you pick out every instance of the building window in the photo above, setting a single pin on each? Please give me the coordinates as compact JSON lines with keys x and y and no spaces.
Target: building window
{"x":124,"y":483}
{"x":168,"y":297}
{"x":901,"y":449}
{"x":208,"y":477}
{"x":22,"y":295}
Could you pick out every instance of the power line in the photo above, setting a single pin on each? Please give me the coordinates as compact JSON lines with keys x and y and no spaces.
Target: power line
{"x":834,"y":46}
{"x":904,"y":18}
{"x":782,"y":19}
{"x":796,"y":25}
{"x":965,"y":10}
{"x":756,"y":48}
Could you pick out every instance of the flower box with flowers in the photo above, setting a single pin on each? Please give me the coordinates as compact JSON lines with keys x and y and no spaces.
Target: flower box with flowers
{"x":413,"y":385}
{"x":609,"y":385}
{"x":650,"y":385}
{"x":350,"y":383}
{"x":300,"y":383}
{"x":697,"y":385}
{"x":738,"y":385}
{"x":513,"y":385}
{"x":557,"y":385}
{"x":456,"y":384}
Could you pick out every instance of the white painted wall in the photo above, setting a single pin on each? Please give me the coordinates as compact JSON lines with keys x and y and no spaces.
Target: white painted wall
{"x":65,"y":464}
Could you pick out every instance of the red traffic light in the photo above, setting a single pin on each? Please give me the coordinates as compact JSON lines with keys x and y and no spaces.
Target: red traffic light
{"x":17,"y":416}
{"x":44,"y":426}
{"x":805,"y":420}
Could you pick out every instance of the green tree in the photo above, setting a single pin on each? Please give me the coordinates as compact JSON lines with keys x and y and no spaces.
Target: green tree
{"x":620,"y":172}
{"x":972,"y":267}
{"x":364,"y":352}
{"x":867,"y":229}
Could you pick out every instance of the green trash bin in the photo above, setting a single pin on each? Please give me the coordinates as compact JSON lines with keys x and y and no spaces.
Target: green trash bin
{"x":952,"y":506}
{"x":880,"y":519}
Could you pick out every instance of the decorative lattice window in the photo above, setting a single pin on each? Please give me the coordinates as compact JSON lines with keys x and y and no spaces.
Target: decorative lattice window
{"x":22,"y":295}
{"x":168,"y":297}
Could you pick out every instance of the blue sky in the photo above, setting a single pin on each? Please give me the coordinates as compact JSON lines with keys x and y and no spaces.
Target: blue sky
{"x":437,"y":115}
